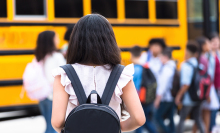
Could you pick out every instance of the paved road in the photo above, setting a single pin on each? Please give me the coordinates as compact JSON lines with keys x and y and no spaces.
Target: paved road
{"x":37,"y":125}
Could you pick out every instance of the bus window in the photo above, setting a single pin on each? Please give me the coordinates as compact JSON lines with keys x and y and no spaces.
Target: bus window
{"x":136,"y":8}
{"x":166,"y":9}
{"x":195,"y":18}
{"x":213,"y":15}
{"x":107,"y":8}
{"x":68,"y":8}
{"x":3,"y":10}
{"x":30,"y":8}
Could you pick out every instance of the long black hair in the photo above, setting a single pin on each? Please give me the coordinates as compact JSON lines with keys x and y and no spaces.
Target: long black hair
{"x":93,"y":42}
{"x":68,"y":32}
{"x":45,"y":44}
{"x":201,"y":42}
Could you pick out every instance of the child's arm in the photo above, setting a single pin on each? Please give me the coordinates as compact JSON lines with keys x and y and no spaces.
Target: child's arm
{"x":133,"y":106}
{"x":157,"y":101}
{"x":182,"y":91}
{"x":186,"y":74}
{"x":208,"y":99}
{"x":60,"y":101}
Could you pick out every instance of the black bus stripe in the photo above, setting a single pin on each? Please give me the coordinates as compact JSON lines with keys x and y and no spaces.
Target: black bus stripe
{"x":30,"y":52}
{"x":66,"y":24}
{"x":10,"y":82}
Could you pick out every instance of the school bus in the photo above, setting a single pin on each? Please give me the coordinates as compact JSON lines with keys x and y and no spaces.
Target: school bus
{"x":134,"y":22}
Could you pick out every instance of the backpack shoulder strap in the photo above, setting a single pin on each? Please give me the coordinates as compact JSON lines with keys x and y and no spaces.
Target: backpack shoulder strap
{"x":194,"y":72}
{"x":148,"y":56}
{"x":111,"y":84}
{"x":190,"y":64}
{"x":77,"y":86}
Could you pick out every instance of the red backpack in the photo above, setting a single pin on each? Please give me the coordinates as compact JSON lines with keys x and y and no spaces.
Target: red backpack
{"x":200,"y":86}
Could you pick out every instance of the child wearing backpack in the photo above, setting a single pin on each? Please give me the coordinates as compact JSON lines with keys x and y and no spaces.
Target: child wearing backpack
{"x":37,"y":78}
{"x":138,"y":69}
{"x":164,"y":102}
{"x":186,"y":78}
{"x":152,"y":64}
{"x":135,"y":58}
{"x":93,"y":88}
{"x":215,"y":54}
{"x":207,"y":64}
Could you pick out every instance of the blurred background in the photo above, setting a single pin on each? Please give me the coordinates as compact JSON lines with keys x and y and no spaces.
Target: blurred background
{"x":134,"y":22}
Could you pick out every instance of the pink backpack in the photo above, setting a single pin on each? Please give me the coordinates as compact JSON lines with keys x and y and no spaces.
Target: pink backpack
{"x":35,"y":81}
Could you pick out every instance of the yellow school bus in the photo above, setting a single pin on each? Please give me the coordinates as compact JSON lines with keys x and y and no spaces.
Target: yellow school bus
{"x":134,"y":22}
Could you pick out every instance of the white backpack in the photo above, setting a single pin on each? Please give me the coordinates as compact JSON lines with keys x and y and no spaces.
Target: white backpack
{"x":35,"y":81}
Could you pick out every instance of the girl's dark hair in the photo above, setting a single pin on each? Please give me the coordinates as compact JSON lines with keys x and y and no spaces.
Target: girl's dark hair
{"x":156,"y":41}
{"x":192,"y":46}
{"x":213,"y":35}
{"x":45,"y":45}
{"x":68,"y":33}
{"x":201,"y":42}
{"x":93,"y":42}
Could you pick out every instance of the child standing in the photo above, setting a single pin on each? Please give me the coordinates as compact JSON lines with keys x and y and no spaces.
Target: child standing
{"x":156,"y":46}
{"x":215,"y":54}
{"x":93,"y":53}
{"x":186,"y":75}
{"x":45,"y":52}
{"x":206,"y":63}
{"x":164,"y":100}
{"x":138,"y":69}
{"x":135,"y":58}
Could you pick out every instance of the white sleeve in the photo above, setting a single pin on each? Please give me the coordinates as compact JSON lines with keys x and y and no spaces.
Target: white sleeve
{"x":164,"y":80}
{"x":143,"y":58}
{"x":52,"y":62}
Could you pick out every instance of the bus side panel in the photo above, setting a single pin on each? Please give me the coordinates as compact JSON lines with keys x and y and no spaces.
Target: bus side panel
{"x":13,"y":96}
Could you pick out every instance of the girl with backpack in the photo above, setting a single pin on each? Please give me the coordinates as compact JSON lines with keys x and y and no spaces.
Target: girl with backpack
{"x":215,"y":44}
{"x":93,"y":54}
{"x":207,"y":64}
{"x":37,"y":78}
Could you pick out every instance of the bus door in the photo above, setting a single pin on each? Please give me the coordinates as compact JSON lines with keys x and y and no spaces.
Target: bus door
{"x":202,"y":18}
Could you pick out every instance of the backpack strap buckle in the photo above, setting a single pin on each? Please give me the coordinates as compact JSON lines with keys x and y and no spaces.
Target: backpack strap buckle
{"x":94,"y":92}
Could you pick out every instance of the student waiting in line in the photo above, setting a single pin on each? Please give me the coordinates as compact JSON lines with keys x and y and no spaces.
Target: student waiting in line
{"x":93,"y":53}
{"x":186,"y":75}
{"x":215,"y":93}
{"x":156,"y":46}
{"x":135,"y":58}
{"x":138,"y":69}
{"x":164,"y":102}
{"x":205,"y":63}
{"x":46,"y":50}
{"x":37,"y":78}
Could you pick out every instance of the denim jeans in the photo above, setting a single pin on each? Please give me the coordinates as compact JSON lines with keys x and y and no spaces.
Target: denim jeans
{"x":46,"y":110}
{"x":212,"y":119}
{"x":149,"y":114}
{"x":166,"y":110}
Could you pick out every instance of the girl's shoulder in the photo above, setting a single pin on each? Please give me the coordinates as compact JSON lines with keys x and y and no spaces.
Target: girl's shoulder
{"x":129,"y":69}
{"x":56,"y":55}
{"x":126,"y":76}
{"x":127,"y":73}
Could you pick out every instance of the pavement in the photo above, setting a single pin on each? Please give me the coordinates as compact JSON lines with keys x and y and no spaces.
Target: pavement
{"x":37,"y":125}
